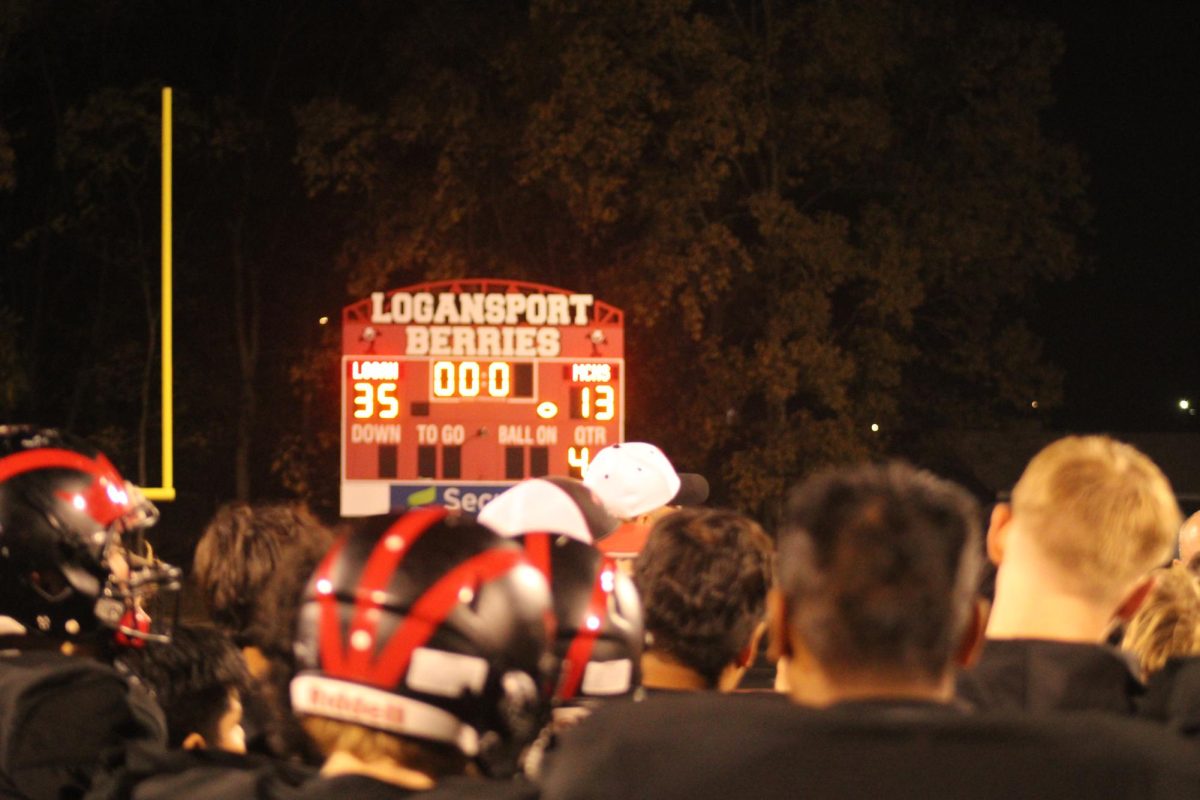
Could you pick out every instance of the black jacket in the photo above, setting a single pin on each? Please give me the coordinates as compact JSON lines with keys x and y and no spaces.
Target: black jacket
{"x":60,"y":716}
{"x":1039,"y":675}
{"x":733,"y":748}
{"x":360,"y":787}
{"x":1173,"y":696}
{"x":152,"y":773}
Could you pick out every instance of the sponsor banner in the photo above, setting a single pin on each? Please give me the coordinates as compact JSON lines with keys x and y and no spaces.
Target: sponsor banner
{"x":468,"y":497}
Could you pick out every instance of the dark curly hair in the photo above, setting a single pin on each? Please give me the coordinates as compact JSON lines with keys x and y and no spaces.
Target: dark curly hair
{"x":703,"y":576}
{"x":879,"y":565}
{"x":191,"y":677}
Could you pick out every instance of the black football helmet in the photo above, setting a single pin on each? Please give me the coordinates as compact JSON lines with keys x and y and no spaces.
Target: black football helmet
{"x":73,"y":560}
{"x":429,"y":625}
{"x":599,"y":635}
{"x":600,"y":631}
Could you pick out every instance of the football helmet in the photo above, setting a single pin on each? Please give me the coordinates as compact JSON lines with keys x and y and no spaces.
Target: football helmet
{"x":431,"y":626}
{"x":73,"y":560}
{"x":599,"y":635}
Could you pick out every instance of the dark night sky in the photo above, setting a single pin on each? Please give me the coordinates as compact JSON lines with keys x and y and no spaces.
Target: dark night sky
{"x":1128,"y":333}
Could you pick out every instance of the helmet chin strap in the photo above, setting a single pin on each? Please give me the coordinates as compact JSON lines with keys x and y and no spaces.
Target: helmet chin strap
{"x":43,"y":585}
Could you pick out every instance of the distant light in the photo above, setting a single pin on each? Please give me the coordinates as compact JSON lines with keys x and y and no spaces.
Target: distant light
{"x":874,"y":427}
{"x":1184,"y":405}
{"x":1033,"y":404}
{"x":323,"y":321}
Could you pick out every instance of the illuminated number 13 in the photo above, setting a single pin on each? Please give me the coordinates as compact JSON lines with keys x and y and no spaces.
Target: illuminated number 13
{"x":603,"y":403}
{"x":367,"y":396}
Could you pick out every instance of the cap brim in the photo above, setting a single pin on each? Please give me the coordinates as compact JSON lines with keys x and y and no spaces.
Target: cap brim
{"x":693,"y":490}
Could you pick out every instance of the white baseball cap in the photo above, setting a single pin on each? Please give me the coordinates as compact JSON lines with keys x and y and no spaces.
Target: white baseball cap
{"x":632,"y":478}
{"x":548,"y":505}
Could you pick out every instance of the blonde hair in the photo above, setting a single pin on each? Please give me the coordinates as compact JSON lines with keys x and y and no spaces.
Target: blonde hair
{"x":1168,"y":623}
{"x":1098,"y":509}
{"x":368,"y":744}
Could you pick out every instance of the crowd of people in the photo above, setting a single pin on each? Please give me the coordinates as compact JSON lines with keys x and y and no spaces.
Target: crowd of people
{"x":589,"y":639}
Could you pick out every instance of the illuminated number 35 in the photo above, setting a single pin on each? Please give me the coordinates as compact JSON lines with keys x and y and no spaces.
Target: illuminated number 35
{"x":368,"y":396}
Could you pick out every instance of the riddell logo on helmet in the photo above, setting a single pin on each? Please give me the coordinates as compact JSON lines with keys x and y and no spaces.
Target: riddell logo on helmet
{"x":354,"y":705}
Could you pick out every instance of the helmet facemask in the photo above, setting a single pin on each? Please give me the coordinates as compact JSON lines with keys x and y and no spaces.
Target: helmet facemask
{"x":137,"y":581}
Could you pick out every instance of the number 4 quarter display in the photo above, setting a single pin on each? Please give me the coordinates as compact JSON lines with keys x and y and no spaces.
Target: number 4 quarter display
{"x":454,"y":390}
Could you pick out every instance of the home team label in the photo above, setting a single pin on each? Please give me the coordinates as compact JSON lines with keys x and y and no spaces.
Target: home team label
{"x":454,"y":390}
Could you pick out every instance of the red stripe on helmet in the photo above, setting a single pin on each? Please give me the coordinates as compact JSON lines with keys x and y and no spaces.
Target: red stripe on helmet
{"x":580,"y":651}
{"x":102,"y":507}
{"x":432,"y":609}
{"x":537,"y":552}
{"x":329,"y":635}
{"x":390,"y":550}
{"x":46,"y":458}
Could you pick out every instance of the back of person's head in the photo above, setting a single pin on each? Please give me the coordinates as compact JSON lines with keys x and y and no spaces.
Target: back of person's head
{"x":424,"y":640}
{"x":1100,"y":511}
{"x":240,"y":554}
{"x":1168,"y":623}
{"x":878,"y":567}
{"x":703,"y":576}
{"x":198,"y":679}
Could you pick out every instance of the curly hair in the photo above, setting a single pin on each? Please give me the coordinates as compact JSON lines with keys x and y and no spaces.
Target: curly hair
{"x":191,"y":677}
{"x":703,"y":576}
{"x":1168,"y":623}
{"x":238,"y":558}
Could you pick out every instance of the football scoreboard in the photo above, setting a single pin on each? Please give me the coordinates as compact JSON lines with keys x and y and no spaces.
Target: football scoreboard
{"x":454,"y":390}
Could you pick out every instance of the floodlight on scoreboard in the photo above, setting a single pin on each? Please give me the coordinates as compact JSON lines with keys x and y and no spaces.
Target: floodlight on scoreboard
{"x":454,"y":390}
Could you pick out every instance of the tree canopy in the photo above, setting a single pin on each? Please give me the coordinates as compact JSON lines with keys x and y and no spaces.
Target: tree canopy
{"x":819,"y":217}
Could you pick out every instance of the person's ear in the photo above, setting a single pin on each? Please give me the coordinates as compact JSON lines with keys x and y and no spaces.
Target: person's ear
{"x":747,"y":654}
{"x":1133,"y":601}
{"x":256,"y":662}
{"x":970,"y":643}
{"x":194,"y":741}
{"x":779,"y":644}
{"x":997,"y":535}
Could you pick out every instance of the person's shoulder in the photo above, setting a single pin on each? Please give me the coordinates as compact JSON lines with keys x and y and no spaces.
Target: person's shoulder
{"x":899,"y":749}
{"x":28,"y":679}
{"x":1042,"y":675}
{"x":59,"y":718}
{"x":362,"y":787}
{"x":1172,"y":696}
{"x":150,"y":772}
{"x":30,"y":667}
{"x":628,"y":748}
{"x":51,"y":691}
{"x":661,"y":712}
{"x":471,"y":788}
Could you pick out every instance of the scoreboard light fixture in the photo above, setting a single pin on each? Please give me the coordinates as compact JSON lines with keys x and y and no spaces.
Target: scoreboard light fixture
{"x":543,"y":368}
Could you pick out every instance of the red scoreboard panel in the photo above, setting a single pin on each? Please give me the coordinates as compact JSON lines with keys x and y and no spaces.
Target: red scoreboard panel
{"x":454,"y":390}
